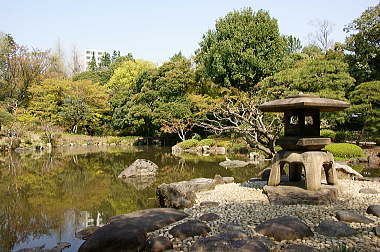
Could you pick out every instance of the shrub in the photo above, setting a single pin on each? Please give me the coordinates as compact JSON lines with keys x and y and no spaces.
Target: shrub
{"x":187,"y":144}
{"x":208,"y":142}
{"x":225,"y":144}
{"x":341,"y":136}
{"x":197,"y":137}
{"x":328,"y":133}
{"x":114,"y":140}
{"x":344,"y":150}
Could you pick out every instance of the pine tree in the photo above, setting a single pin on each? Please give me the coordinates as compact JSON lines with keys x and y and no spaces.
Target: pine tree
{"x":92,"y":65}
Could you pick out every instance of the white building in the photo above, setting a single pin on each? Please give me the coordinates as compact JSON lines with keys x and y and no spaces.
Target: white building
{"x":88,"y":56}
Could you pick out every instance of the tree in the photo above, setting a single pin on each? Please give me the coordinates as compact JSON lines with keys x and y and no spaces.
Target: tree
{"x":76,"y":65}
{"x":125,"y":75}
{"x":105,"y":61}
{"x":294,"y":44}
{"x":240,"y":115}
{"x":364,"y":45}
{"x":244,"y":48}
{"x":312,"y":50}
{"x":79,"y":106}
{"x":366,"y":106}
{"x":19,"y":70}
{"x":321,"y":36}
{"x":92,"y":66}
{"x":57,"y":62}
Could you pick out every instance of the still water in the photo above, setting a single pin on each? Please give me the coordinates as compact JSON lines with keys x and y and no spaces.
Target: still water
{"x":46,"y":197}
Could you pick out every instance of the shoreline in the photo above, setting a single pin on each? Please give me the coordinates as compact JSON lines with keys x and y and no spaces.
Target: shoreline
{"x":245,"y":205}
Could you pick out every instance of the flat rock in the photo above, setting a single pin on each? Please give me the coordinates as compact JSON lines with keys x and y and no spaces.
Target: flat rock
{"x":229,"y":241}
{"x":189,"y":229}
{"x":350,"y":216}
{"x":284,"y":228}
{"x":299,"y":248}
{"x":85,"y":233}
{"x":292,"y":195}
{"x":335,"y":229}
{"x":368,"y":191}
{"x":228,"y":180}
{"x":233,"y":164}
{"x":158,"y":244}
{"x":209,"y":217}
{"x":127,"y":232}
{"x":60,"y":246}
{"x":141,"y":167}
{"x":209,"y":204}
{"x":345,"y":172}
{"x":374,"y":210}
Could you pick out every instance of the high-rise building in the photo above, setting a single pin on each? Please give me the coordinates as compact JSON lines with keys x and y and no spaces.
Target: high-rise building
{"x":88,"y":56}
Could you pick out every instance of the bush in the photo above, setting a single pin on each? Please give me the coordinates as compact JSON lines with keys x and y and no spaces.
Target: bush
{"x":197,"y":137}
{"x":328,"y":133}
{"x":114,"y":140}
{"x":345,"y":150}
{"x":341,"y":136}
{"x":187,"y":144}
{"x":225,"y":144}
{"x":208,"y":142}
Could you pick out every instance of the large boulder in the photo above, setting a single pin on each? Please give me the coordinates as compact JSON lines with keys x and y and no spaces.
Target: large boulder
{"x":284,"y":228}
{"x":190,"y":229}
{"x":139,"y":168}
{"x":127,"y":232}
{"x":335,"y":229}
{"x":351,"y":216}
{"x":292,"y":195}
{"x":85,"y":233}
{"x":177,"y":150}
{"x":158,"y":244}
{"x":346,"y":172}
{"x":233,"y":163}
{"x":182,"y":194}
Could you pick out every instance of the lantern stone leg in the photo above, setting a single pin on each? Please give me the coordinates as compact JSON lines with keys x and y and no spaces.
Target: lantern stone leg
{"x":275,"y":173}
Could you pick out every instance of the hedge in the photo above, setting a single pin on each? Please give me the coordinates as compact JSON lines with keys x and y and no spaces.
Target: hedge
{"x":208,"y":142}
{"x":345,"y":150}
{"x":187,"y":144}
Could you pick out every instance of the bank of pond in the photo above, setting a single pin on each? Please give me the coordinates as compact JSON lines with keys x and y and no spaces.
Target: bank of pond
{"x":46,"y":197}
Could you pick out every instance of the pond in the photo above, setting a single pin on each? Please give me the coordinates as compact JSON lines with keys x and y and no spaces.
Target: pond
{"x":47,"y":197}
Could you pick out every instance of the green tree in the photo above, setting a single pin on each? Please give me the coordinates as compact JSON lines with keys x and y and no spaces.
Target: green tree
{"x":364,"y":45}
{"x":105,"y":61}
{"x":294,"y":44}
{"x":92,"y":66}
{"x":366,"y":106}
{"x":244,"y":48}
{"x":312,"y":50}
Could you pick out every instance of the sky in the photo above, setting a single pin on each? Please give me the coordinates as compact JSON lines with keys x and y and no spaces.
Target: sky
{"x":155,"y":30}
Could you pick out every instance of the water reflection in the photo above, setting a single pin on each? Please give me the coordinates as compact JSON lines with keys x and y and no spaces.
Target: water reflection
{"x":47,"y":197}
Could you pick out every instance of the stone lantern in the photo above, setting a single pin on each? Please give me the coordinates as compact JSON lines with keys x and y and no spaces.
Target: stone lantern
{"x":302,"y":144}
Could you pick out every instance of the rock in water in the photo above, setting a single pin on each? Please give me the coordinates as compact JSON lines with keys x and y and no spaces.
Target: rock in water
{"x":189,"y":229}
{"x":139,"y":168}
{"x":284,"y":228}
{"x":182,"y":194}
{"x":177,"y":151}
{"x":85,"y":233}
{"x":233,"y":164}
{"x":350,"y":216}
{"x":374,"y":210}
{"x":127,"y":232}
{"x":335,"y":229}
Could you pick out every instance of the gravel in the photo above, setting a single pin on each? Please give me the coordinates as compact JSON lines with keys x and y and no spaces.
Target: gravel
{"x":245,"y":205}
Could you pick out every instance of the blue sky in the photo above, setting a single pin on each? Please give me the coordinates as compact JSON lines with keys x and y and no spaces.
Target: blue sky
{"x":155,"y":30}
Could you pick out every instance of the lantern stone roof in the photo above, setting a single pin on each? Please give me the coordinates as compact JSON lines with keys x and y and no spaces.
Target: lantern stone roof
{"x":304,"y":101}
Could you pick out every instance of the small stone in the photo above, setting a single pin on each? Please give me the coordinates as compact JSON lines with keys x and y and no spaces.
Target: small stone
{"x":350,"y":216}
{"x":209,"y":204}
{"x":377,"y":230}
{"x":368,"y":191}
{"x":158,"y":244}
{"x":335,"y":229}
{"x":298,"y":248}
{"x":284,"y":228}
{"x":209,"y":217}
{"x":374,"y":210}
{"x":189,"y":228}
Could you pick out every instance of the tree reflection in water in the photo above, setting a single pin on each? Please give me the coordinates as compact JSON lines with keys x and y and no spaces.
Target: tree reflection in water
{"x":49,"y":196}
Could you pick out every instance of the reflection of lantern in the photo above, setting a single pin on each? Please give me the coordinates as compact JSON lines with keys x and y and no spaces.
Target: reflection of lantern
{"x":302,"y":142}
